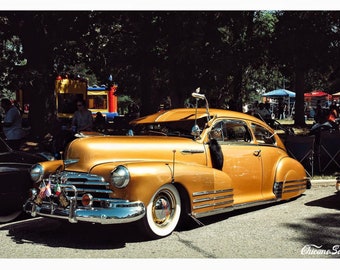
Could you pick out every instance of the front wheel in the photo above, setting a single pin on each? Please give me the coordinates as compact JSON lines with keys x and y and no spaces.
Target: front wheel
{"x":8,"y":217}
{"x":162,"y":212}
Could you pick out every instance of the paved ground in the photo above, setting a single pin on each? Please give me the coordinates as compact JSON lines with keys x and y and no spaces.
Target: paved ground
{"x":304,"y":228}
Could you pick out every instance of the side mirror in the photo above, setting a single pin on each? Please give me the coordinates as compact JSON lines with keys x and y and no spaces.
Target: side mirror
{"x":196,"y":131}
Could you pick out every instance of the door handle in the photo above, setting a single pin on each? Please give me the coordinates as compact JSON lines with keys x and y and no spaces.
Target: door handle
{"x":257,"y":153}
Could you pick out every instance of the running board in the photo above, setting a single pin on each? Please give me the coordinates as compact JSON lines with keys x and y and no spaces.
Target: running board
{"x":232,"y":208}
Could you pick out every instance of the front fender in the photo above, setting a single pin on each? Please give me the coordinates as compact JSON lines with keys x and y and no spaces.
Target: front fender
{"x":145,"y":179}
{"x":52,"y":166}
{"x":148,"y":177}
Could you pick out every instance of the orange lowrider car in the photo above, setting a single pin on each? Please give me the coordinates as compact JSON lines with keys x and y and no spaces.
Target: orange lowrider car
{"x":178,"y":165}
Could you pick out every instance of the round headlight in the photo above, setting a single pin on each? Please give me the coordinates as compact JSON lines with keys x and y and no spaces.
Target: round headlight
{"x":37,"y":171}
{"x":120,"y":177}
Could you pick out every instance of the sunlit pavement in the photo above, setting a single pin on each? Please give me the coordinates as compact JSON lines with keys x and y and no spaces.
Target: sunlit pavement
{"x":323,"y":182}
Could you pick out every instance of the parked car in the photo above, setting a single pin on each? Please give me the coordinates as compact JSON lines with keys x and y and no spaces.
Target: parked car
{"x":15,"y":180}
{"x":176,"y":166}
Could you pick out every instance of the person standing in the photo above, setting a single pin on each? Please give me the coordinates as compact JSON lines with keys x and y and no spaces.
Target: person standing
{"x":99,"y":122}
{"x":281,"y":110}
{"x":82,"y":118}
{"x":264,"y":112}
{"x":12,"y":124}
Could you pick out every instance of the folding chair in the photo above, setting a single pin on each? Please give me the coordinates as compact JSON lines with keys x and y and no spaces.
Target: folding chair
{"x":329,"y":152}
{"x":301,"y":148}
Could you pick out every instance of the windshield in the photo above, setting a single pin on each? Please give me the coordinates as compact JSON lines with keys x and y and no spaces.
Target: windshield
{"x":174,"y":128}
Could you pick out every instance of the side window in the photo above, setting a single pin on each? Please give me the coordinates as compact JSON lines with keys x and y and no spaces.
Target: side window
{"x":217,"y":132}
{"x":231,"y":131}
{"x":263,"y":135}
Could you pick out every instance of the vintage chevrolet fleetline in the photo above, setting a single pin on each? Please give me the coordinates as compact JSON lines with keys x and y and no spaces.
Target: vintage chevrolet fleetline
{"x":179,"y":165}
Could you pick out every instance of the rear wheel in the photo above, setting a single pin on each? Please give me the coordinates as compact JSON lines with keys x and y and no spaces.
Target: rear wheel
{"x":162,"y":212}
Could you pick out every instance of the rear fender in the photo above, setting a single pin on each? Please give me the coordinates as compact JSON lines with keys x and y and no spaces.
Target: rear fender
{"x":289,"y":169}
{"x":291,"y":178}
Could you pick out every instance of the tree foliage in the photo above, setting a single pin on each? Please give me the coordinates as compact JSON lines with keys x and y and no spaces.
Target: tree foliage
{"x":230,"y":55}
{"x":307,"y":44}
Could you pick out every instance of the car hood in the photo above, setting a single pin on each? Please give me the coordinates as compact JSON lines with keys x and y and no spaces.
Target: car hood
{"x":20,"y":157}
{"x":93,"y":151}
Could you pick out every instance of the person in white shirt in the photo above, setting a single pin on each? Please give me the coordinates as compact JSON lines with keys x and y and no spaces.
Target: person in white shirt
{"x":12,"y":124}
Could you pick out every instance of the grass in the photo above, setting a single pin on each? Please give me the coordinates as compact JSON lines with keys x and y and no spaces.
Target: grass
{"x":297,"y":130}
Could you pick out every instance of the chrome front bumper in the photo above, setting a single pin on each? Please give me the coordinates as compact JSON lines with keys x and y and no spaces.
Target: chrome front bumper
{"x":117,"y":212}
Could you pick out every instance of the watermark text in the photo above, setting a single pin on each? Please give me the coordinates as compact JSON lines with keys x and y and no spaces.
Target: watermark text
{"x":320,"y":250}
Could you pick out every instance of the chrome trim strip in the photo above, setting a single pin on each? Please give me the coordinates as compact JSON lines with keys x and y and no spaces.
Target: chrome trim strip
{"x":207,"y":192}
{"x":88,"y":183}
{"x":89,"y":190}
{"x":79,"y":175}
{"x":295,"y":181}
{"x":252,"y":204}
{"x":214,"y":212}
{"x":224,"y":197}
{"x":294,"y":190}
{"x":70,"y":161}
{"x":232,"y":207}
{"x":212,"y":204}
{"x":106,"y":200}
{"x":213,"y":198}
{"x":293,"y":186}
{"x":191,"y":151}
{"x":203,"y":206}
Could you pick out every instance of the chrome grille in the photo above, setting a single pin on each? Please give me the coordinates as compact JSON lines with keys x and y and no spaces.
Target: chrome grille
{"x":81,"y":184}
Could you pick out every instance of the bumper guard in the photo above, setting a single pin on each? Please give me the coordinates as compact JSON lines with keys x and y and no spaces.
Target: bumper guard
{"x":117,"y":212}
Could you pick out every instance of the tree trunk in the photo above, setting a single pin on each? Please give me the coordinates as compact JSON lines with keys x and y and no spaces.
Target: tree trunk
{"x":39,"y":76}
{"x":148,"y":100}
{"x":237,"y":91}
{"x":173,"y":41}
{"x":299,"y":119}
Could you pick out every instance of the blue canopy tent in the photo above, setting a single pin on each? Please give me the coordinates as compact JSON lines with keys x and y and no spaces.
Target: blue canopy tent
{"x":279,"y":93}
{"x":282,"y":93}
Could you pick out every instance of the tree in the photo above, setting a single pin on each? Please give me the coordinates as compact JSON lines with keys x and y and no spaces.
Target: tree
{"x":41,"y":35}
{"x":152,"y":54}
{"x":305,"y":41}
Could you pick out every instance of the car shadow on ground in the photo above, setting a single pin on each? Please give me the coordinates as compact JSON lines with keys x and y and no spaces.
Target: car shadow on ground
{"x":61,"y":233}
{"x":320,"y":232}
{"x":56,"y":233}
{"x":331,"y":202}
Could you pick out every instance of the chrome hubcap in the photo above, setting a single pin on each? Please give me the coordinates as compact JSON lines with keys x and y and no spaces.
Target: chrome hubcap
{"x":162,"y":210}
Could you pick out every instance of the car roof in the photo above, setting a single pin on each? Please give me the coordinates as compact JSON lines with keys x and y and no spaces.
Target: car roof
{"x":183,"y":114}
